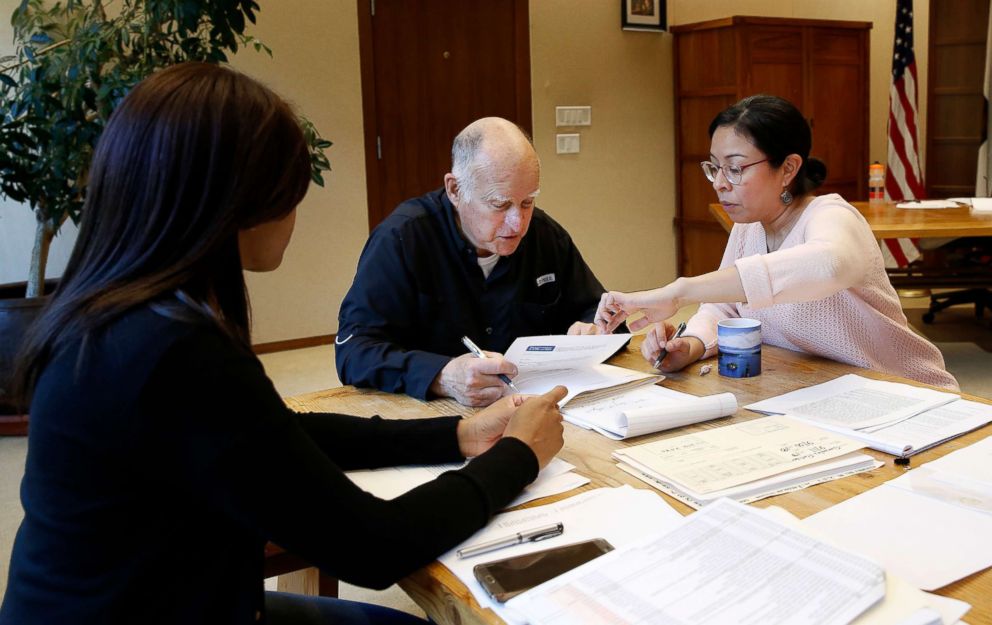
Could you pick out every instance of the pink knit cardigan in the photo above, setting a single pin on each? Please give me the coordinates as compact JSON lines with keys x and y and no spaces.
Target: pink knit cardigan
{"x":824,"y":292}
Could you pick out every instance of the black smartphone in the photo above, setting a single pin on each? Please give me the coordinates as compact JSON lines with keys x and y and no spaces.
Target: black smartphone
{"x":509,"y":577}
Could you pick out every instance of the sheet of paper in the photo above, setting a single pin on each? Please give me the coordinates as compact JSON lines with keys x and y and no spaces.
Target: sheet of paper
{"x":391,"y":482}
{"x":726,"y":563}
{"x":645,"y":410}
{"x":795,"y":479}
{"x":923,"y":431}
{"x":740,"y":453}
{"x":544,"y":353}
{"x":583,"y":382}
{"x":928,"y":204}
{"x":981,"y":205}
{"x":932,"y":525}
{"x":618,"y":515}
{"x":973,"y":462}
{"x":854,"y":402}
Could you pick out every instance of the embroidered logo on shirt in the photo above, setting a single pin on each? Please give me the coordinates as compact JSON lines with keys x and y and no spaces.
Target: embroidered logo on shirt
{"x":546,"y":279}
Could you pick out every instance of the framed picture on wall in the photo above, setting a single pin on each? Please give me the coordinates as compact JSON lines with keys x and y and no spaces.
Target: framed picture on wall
{"x":649,"y":15}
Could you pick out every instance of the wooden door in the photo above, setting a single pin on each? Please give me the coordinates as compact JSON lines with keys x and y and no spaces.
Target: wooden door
{"x":837,"y":108}
{"x":956,"y":113}
{"x":429,"y":68}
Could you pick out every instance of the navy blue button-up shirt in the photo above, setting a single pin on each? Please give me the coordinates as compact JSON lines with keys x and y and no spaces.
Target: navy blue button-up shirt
{"x":419,"y":289}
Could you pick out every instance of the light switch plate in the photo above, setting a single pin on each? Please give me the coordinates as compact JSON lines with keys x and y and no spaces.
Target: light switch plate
{"x":567,"y":144}
{"x":573,"y":116}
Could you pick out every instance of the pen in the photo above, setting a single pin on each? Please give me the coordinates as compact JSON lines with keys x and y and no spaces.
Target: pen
{"x":472,"y":347}
{"x":526,"y":536}
{"x":664,"y":352}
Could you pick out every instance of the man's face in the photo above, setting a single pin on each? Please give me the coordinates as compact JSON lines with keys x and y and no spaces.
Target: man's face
{"x":496,"y":217}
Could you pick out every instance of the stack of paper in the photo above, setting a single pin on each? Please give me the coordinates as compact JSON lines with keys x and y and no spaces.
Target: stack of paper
{"x":899,"y":419}
{"x":932,"y":526}
{"x":928,"y":204}
{"x":745,"y":461}
{"x":645,"y":410}
{"x":727,"y":563}
{"x":544,"y":362}
{"x":732,"y":564}
{"x":391,"y":482}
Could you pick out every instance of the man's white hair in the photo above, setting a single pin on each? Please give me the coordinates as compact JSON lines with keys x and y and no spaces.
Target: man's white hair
{"x":465,"y":164}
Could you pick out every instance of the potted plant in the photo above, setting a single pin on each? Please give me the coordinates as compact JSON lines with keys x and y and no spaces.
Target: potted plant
{"x":75,"y":60}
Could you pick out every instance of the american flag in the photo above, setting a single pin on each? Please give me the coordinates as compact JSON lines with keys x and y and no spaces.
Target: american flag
{"x":903,"y":177}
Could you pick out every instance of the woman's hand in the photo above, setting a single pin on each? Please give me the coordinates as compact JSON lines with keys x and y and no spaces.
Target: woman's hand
{"x":479,"y":432}
{"x":538,"y":424}
{"x":534,"y":419}
{"x":615,"y":307}
{"x":682,"y":351}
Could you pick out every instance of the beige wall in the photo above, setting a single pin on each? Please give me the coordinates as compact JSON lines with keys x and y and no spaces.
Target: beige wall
{"x":315,"y":65}
{"x":616,"y":197}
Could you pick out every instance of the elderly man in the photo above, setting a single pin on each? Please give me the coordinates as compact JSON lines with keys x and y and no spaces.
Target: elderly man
{"x":475,"y":258}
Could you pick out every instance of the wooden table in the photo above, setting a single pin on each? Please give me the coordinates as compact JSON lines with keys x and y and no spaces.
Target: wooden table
{"x":447,"y":600}
{"x":889,"y":222}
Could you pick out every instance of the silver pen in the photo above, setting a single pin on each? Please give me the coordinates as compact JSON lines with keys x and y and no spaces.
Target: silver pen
{"x":478,"y":353}
{"x":526,"y":536}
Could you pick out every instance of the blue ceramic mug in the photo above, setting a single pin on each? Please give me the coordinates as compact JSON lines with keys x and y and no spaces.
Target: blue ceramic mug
{"x":739,"y":342}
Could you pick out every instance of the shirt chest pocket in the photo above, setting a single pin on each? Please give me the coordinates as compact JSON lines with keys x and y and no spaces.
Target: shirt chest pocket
{"x":539,"y":308}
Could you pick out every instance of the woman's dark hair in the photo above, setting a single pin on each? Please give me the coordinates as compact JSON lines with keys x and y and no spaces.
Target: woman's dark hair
{"x":777,"y":128}
{"x":193,"y":154}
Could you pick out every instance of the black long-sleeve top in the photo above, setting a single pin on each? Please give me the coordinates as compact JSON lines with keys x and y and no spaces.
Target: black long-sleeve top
{"x":419,"y":289}
{"x":161,"y":460}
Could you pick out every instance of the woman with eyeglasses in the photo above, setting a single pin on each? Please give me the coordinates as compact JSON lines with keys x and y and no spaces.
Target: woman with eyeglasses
{"x":806,"y":266}
{"x":160,"y":457}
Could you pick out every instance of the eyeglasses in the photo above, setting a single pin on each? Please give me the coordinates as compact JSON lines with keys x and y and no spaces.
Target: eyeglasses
{"x":733,"y":173}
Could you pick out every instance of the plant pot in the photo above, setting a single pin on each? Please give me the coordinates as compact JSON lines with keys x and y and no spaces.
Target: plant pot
{"x":17,"y":313}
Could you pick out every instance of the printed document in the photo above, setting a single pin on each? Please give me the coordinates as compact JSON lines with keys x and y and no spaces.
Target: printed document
{"x":925,"y":430}
{"x":786,"y":482}
{"x":646,"y":409}
{"x":391,"y":482}
{"x":931,"y":526}
{"x":855,"y":403}
{"x":727,"y":563}
{"x":544,"y":362}
{"x":736,"y":454}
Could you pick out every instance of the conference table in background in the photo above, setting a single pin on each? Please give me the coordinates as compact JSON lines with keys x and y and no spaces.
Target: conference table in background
{"x":447,"y":600}
{"x":889,"y":222}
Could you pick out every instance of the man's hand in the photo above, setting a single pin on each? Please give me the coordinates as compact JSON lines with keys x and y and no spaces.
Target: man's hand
{"x":682,"y":351}
{"x":473,"y":381}
{"x":580,"y":327}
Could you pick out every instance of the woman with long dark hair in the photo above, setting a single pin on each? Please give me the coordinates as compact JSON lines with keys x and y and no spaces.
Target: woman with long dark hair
{"x":160,"y":457}
{"x":806,"y":266}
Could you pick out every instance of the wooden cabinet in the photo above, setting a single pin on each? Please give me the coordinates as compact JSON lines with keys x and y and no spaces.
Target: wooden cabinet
{"x":821,"y":66}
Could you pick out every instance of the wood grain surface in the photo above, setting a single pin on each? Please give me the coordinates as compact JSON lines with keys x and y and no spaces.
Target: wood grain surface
{"x":447,"y":600}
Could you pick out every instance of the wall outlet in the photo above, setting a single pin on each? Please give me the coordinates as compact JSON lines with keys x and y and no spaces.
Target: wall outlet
{"x":567,"y":144}
{"x":573,"y":116}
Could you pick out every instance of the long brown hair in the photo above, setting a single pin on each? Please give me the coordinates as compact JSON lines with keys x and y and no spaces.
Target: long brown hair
{"x":193,"y":154}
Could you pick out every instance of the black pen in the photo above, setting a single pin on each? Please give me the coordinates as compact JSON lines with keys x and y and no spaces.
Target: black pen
{"x":472,"y":347}
{"x":664,"y":352}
